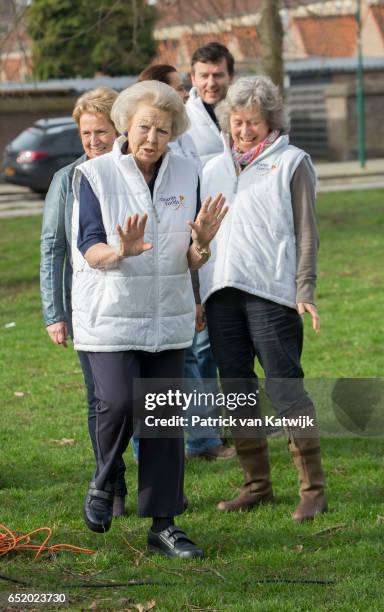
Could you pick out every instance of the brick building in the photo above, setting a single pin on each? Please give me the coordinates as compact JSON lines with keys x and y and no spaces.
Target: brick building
{"x":320,"y":48}
{"x":312,"y":29}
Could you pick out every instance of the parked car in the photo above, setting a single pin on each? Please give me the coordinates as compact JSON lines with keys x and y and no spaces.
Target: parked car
{"x":36,"y":154}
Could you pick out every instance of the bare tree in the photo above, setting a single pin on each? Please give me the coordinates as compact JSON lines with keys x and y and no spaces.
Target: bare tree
{"x":270,"y":33}
{"x":13,"y":39}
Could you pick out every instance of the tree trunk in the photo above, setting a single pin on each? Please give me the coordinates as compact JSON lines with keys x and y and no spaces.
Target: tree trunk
{"x":270,"y":33}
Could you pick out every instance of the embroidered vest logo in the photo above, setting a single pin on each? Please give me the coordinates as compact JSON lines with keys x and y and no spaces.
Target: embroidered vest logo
{"x":173,"y":202}
{"x":262,"y":167}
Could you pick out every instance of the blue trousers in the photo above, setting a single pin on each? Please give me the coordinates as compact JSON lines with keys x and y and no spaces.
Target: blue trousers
{"x":161,"y":460}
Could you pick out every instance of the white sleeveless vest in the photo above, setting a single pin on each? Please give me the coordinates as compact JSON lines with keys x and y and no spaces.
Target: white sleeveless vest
{"x":203,"y":130}
{"x":255,"y":247}
{"x":185,"y":147}
{"x":146,"y":302}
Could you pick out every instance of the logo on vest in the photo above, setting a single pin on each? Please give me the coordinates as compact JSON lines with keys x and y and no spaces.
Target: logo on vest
{"x":173,"y":202}
{"x":264,"y":167}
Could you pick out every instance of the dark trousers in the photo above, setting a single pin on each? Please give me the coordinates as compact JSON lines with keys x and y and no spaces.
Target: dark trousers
{"x":161,"y":460}
{"x":243,"y":326}
{"x":120,"y":486}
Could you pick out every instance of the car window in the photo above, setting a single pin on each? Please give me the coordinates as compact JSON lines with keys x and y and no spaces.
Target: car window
{"x":29,"y":139}
{"x":66,"y":140}
{"x":56,"y":129}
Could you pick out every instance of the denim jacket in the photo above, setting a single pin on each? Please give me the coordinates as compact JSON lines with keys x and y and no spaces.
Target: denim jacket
{"x":56,"y":261}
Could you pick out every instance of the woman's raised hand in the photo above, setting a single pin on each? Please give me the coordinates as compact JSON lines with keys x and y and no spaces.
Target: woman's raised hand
{"x":208,"y":221}
{"x":132,"y":236}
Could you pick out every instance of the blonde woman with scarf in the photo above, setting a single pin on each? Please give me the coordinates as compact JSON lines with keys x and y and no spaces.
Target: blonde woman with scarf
{"x":260,"y":280}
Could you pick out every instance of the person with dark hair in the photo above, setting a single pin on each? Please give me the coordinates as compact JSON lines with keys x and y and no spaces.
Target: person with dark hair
{"x":165,"y":73}
{"x":214,"y":52}
{"x":212,"y":70}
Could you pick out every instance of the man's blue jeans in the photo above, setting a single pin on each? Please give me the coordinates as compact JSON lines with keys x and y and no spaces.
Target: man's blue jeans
{"x":199,"y":365}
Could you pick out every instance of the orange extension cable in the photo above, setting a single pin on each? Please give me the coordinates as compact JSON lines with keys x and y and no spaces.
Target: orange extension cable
{"x":10,"y":541}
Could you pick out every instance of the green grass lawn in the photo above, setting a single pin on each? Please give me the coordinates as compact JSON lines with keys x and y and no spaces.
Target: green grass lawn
{"x":254,"y":561}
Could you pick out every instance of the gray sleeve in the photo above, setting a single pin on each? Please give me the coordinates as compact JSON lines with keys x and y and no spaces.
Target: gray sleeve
{"x":303,"y":198}
{"x":53,"y":251}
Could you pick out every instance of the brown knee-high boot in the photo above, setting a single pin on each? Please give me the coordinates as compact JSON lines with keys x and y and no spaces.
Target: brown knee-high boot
{"x":307,"y":458}
{"x":257,"y":489}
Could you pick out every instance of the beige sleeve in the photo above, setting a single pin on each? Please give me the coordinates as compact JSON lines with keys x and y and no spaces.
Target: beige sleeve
{"x":303,"y":198}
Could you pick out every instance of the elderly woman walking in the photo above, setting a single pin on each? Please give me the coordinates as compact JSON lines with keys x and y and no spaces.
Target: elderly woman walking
{"x":198,"y":363}
{"x":133,"y":303}
{"x":261,"y":277}
{"x":97,"y":133}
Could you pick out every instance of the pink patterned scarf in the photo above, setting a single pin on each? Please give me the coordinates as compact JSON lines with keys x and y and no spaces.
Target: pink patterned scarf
{"x":242,"y":160}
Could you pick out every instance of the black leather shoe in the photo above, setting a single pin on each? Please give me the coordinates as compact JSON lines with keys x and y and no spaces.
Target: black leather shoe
{"x":173,"y":542}
{"x":98,"y":508}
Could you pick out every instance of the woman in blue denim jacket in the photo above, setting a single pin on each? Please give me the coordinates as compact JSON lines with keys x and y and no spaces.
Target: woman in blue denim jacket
{"x":97,"y":133}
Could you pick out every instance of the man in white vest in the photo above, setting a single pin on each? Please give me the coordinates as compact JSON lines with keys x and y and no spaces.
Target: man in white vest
{"x":211,"y":74}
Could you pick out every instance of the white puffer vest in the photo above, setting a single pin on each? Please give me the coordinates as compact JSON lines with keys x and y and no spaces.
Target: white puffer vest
{"x":185,"y":147}
{"x":203,"y":131}
{"x":147,"y":302}
{"x":255,"y":247}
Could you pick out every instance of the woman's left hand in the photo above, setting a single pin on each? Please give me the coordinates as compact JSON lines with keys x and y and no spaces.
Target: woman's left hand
{"x":303,"y":307}
{"x":208,"y":221}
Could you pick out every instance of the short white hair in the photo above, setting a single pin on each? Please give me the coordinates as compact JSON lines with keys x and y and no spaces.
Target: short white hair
{"x":155,"y":94}
{"x":259,"y":92}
